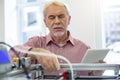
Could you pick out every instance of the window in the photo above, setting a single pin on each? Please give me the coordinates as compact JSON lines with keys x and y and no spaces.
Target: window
{"x":30,"y":18}
{"x":111,"y":20}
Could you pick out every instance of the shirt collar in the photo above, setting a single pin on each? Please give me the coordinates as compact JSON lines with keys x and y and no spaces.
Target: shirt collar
{"x":49,"y":39}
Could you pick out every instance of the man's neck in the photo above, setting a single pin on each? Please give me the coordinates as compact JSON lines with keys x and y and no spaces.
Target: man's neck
{"x":61,"y":39}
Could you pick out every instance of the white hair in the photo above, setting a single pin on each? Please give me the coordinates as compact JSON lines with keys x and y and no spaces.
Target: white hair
{"x":55,"y":2}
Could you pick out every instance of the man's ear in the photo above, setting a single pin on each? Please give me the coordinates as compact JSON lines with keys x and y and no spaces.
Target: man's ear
{"x":69,"y":19}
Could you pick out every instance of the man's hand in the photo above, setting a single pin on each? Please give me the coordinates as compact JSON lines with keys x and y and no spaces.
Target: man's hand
{"x":96,"y":72}
{"x":49,"y":61}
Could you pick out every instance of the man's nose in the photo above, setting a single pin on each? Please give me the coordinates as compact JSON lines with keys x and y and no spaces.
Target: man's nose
{"x":57,"y":20}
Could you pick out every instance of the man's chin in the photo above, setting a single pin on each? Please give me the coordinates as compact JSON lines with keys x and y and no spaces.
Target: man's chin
{"x":59,"y":34}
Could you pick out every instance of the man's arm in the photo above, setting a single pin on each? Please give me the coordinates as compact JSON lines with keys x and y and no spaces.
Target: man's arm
{"x":49,"y":63}
{"x":48,"y":60}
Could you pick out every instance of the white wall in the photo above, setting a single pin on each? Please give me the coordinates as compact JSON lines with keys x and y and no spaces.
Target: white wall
{"x":1,"y":20}
{"x":11,"y":28}
{"x":86,"y":22}
{"x":8,"y":15}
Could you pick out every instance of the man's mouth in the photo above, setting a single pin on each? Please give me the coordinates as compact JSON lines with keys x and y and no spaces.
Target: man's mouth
{"x":57,"y":28}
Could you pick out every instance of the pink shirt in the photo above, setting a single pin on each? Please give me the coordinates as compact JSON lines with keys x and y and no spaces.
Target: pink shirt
{"x":73,"y":50}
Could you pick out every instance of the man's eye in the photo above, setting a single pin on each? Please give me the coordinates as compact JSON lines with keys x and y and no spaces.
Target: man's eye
{"x":51,"y":17}
{"x":61,"y":16}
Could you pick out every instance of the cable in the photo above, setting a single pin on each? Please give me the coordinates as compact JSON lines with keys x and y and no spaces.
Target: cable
{"x":15,"y":52}
{"x":58,"y":56}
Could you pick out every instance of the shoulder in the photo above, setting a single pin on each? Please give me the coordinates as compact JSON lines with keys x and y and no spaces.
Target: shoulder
{"x":37,"y":38}
{"x":80,"y":43}
{"x":36,"y":41}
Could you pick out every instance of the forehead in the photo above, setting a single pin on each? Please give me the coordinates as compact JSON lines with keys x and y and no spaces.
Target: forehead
{"x":55,"y":10}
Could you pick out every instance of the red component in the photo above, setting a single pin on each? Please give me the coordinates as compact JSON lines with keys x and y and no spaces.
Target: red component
{"x":64,"y":75}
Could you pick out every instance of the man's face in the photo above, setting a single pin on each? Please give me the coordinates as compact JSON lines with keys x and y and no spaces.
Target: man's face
{"x":57,"y":20}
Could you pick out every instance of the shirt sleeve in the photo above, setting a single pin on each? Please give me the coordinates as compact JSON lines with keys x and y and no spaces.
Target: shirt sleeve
{"x":32,"y":42}
{"x":20,"y":53}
